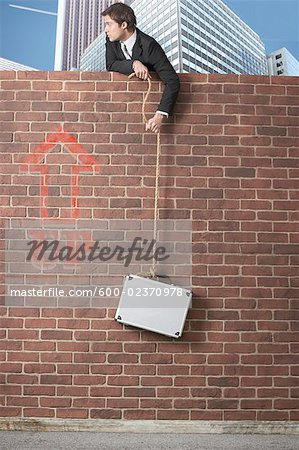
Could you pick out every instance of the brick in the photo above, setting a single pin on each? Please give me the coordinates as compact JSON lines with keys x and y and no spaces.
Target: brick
{"x":5,"y":75}
{"x":256,"y":404}
{"x":89,"y":380}
{"x":273,"y":415}
{"x":38,"y":412}
{"x":47,"y":85}
{"x":32,"y":75}
{"x":255,"y":141}
{"x":256,"y":381}
{"x":156,"y":359}
{"x":289,"y":121}
{"x":139,"y":392}
{"x":191,"y":140}
{"x":272,"y":131}
{"x":11,"y":367}
{"x":55,"y":402}
{"x":110,"y":107}
{"x":56,"y":312}
{"x":284,"y":100}
{"x":21,"y":401}
{"x":223,"y":381}
{"x":63,"y":96}
{"x":123,"y":381}
{"x":272,"y":392}
{"x":15,"y":85}
{"x":222,"y":98}
{"x":105,"y":414}
{"x":15,"y":106}
{"x":239,"y":130}
{"x":40,"y":323}
{"x":139,"y":348}
{"x":281,"y":162}
{"x":73,"y":413}
{"x":286,"y":249}
{"x":16,"y":356}
{"x":139,"y":370}
{"x":46,"y":106}
{"x":52,"y":357}
{"x":264,"y":89}
{"x":8,"y":411}
{"x":239,"y":415}
{"x":73,"y":324}
{"x":271,"y":110}
{"x":207,"y":130}
{"x":23,"y":334}
{"x":256,"y":120}
{"x":255,"y":99}
{"x":79,"y":86}
{"x":256,"y":359}
{"x":79,"y":106}
{"x":224,"y":140}
{"x":238,"y":392}
{"x":39,"y":368}
{"x":207,"y":193}
{"x":139,"y":415}
{"x":156,"y":381}
{"x":223,"y":404}
{"x":89,"y":335}
{"x":11,"y":323}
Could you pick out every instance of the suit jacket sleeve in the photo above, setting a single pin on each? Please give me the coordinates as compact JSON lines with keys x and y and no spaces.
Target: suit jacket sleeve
{"x":166,"y":72}
{"x":115,"y":65}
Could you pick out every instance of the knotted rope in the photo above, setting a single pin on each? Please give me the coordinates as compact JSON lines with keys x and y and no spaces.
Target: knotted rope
{"x":152,"y":272}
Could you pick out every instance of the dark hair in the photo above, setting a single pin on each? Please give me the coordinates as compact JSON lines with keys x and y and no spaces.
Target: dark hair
{"x":121,"y":13}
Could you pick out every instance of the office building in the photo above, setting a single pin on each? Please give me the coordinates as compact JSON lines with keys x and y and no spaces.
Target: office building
{"x":79,"y":22}
{"x":282,"y":62}
{"x":203,"y":36}
{"x":6,"y":64}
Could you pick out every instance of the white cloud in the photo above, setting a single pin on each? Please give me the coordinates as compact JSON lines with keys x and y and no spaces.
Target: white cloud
{"x":40,"y":11}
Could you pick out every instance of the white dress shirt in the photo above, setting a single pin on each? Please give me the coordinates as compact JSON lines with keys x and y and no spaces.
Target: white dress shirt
{"x":128,"y":45}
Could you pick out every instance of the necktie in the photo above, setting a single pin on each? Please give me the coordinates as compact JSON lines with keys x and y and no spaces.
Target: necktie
{"x":126,"y":51}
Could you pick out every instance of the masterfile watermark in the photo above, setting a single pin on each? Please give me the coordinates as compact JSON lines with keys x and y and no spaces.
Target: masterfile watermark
{"x":140,"y":250}
{"x":58,"y":292}
{"x":75,"y":256}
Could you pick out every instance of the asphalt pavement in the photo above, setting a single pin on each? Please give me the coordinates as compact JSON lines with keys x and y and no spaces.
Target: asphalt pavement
{"x":65,"y":440}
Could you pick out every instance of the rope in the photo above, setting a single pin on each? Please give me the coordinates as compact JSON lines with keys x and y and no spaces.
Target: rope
{"x":152,"y":272}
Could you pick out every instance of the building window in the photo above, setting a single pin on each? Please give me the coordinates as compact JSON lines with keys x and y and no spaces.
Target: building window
{"x":280,"y":72}
{"x":279,"y":64}
{"x":278,"y":56}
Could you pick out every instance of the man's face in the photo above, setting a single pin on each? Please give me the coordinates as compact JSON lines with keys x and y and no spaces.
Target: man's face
{"x":114,"y":31}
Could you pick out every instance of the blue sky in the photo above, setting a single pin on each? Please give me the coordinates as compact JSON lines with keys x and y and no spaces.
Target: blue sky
{"x":29,"y":37}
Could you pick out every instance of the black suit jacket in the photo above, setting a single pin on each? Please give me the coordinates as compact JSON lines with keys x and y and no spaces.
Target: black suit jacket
{"x":151,"y":54}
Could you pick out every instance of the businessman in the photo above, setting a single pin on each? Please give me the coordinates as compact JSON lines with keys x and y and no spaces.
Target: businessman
{"x":130,"y":50}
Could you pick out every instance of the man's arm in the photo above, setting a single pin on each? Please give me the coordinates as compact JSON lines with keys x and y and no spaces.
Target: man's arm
{"x":166,"y":72}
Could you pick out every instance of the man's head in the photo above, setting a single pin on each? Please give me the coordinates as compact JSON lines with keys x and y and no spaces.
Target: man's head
{"x":120,"y":22}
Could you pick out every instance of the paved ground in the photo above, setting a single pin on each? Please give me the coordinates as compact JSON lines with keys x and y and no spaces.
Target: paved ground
{"x":50,"y":440}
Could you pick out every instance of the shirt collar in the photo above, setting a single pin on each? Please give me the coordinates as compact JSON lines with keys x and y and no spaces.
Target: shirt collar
{"x":131,"y":41}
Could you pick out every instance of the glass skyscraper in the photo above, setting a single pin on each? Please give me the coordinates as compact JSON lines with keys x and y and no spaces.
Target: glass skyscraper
{"x":7,"y":64}
{"x":203,"y":36}
{"x":282,"y":62}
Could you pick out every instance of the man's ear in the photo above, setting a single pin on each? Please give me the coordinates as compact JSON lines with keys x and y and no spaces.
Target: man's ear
{"x":124,"y":26}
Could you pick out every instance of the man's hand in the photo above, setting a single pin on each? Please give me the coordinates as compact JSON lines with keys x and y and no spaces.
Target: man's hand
{"x":154,"y":124}
{"x":141,"y":71}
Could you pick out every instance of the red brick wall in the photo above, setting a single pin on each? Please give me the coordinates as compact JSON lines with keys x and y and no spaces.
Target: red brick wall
{"x":229,"y":164}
